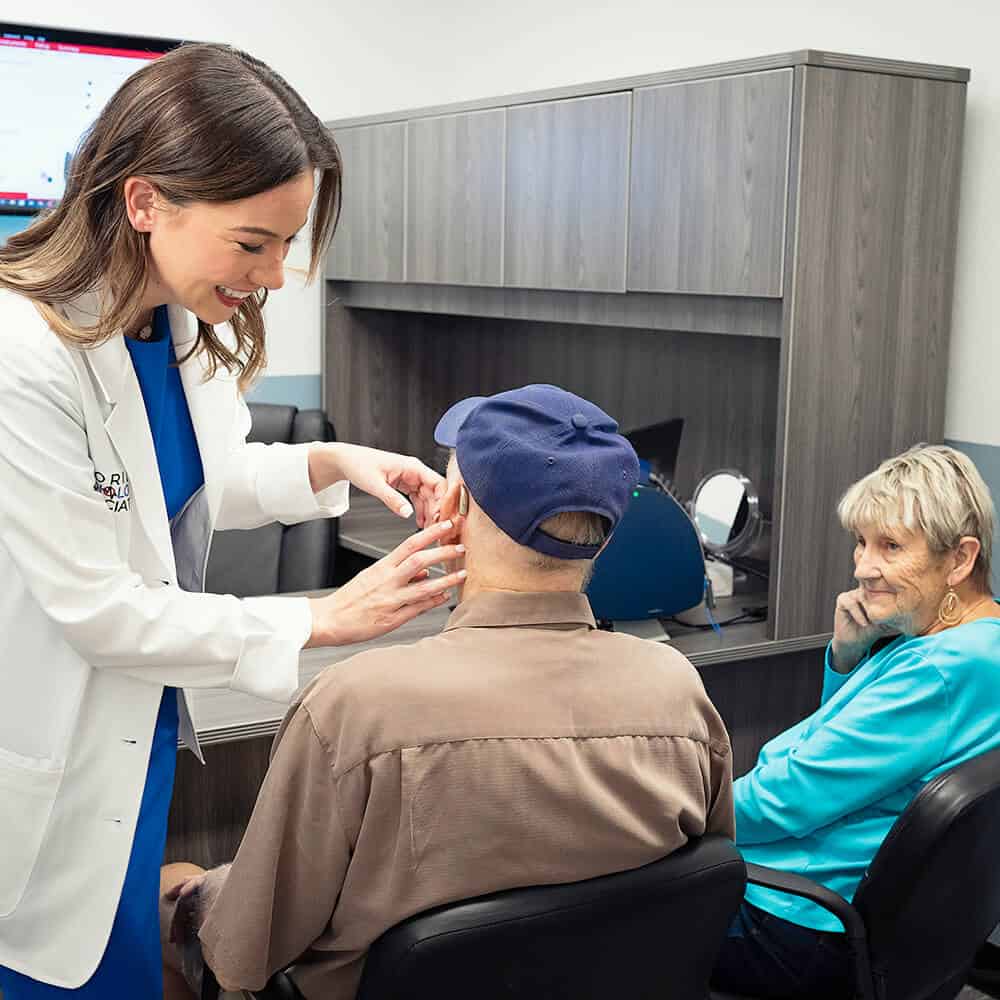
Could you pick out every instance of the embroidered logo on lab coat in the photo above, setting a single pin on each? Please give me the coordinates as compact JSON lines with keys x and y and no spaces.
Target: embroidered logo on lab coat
{"x":115,"y":489}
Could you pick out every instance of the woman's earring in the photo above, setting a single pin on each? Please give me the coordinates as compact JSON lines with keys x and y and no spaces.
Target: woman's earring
{"x":950,"y":611}
{"x":463,"y":501}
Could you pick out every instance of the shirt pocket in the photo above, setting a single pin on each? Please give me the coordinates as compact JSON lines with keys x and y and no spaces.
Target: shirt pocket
{"x":28,"y":792}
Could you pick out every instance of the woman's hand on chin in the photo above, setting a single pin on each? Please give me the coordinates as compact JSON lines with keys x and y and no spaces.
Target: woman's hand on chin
{"x":853,"y":631}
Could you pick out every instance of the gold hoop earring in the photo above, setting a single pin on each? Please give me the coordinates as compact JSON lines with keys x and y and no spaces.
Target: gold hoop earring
{"x":950,"y":610}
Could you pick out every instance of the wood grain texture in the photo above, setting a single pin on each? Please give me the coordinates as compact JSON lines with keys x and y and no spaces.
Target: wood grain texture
{"x":690,"y":313}
{"x":869,"y":308}
{"x":791,"y":248}
{"x":391,"y":375}
{"x":368,"y":244}
{"x":761,"y":698}
{"x":567,"y":194}
{"x":454,"y":199}
{"x":212,"y":802}
{"x":708,"y":186}
{"x":755,"y":64}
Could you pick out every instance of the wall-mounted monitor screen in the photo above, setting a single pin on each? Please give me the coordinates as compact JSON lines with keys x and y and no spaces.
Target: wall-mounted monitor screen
{"x":54,"y":82}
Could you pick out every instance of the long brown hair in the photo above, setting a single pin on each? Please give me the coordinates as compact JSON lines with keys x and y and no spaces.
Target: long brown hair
{"x":203,"y":123}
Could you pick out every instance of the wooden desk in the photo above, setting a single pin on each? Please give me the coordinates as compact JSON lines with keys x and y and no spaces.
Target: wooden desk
{"x":370,"y":529}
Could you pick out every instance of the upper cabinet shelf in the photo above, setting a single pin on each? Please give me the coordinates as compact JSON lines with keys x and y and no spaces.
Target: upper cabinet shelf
{"x":673,"y":186}
{"x":679,"y":188}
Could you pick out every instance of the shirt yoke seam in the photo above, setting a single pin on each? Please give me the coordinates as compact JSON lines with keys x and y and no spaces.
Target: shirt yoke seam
{"x":718,"y":748}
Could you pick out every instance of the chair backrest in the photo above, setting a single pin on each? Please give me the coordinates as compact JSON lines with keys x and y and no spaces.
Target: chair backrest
{"x":931,"y":895}
{"x":653,"y":932}
{"x":275,"y":559}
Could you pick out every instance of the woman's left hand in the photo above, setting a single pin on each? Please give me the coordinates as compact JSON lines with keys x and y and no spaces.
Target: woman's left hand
{"x":383,"y":474}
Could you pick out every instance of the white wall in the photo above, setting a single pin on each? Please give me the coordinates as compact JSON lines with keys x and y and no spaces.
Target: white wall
{"x":365,"y":57}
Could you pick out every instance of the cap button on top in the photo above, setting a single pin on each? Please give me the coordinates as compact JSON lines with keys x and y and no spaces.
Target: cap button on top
{"x":579,"y":421}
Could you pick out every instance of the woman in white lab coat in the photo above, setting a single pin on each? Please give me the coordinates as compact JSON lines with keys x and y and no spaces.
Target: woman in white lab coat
{"x":130,"y":321}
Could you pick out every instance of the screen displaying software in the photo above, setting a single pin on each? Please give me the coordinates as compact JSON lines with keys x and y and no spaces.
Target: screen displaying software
{"x":54,"y":83}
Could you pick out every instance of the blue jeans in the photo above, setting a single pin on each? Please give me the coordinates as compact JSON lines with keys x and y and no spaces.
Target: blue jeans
{"x":766,"y":956}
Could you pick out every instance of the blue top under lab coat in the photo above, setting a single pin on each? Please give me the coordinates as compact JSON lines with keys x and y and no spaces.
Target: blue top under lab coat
{"x":824,"y":794}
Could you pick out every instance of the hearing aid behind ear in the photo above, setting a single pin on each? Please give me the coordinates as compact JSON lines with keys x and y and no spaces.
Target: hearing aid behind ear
{"x":463,"y":501}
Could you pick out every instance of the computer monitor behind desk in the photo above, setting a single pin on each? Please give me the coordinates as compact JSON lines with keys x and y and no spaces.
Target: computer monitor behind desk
{"x":657,"y":446}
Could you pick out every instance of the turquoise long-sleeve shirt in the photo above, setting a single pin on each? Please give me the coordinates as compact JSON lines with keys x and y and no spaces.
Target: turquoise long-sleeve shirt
{"x":824,"y":794}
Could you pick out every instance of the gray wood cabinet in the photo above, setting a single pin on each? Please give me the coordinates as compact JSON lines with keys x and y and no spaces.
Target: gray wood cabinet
{"x":803,"y":206}
{"x":567,"y":194}
{"x":454,"y":199}
{"x":709,"y":185}
{"x":368,"y":245}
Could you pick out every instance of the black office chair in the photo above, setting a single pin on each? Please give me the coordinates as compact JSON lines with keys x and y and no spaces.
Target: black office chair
{"x":931,"y":896}
{"x":652,"y":933}
{"x":276,"y":559}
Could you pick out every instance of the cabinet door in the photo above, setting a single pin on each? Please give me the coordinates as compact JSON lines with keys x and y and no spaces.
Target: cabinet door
{"x":368,"y":244}
{"x":567,"y":194}
{"x":709,"y":184}
{"x":454,"y":199}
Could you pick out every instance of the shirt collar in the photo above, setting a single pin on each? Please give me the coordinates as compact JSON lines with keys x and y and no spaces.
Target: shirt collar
{"x":500,"y":608}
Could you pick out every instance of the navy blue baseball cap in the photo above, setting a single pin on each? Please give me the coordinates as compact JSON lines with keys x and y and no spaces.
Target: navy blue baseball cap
{"x":530,"y":453}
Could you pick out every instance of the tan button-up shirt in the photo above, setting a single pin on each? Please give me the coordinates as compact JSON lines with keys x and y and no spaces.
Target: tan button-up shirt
{"x":520,"y":746}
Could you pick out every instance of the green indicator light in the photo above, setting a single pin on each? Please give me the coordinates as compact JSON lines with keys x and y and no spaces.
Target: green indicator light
{"x":635,"y":493}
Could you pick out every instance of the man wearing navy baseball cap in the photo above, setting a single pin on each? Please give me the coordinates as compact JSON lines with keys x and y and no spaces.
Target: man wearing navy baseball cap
{"x":519,"y":746}
{"x":549,"y":469}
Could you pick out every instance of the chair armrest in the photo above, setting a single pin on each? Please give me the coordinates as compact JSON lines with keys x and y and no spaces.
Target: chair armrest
{"x":857,"y":935}
{"x":798,"y":885}
{"x":279,"y":987}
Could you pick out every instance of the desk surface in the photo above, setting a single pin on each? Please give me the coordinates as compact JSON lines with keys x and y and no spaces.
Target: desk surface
{"x":224,"y":715}
{"x":370,"y":528}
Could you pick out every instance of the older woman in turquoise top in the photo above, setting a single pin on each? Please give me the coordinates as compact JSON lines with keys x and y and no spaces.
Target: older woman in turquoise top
{"x":911,"y":688}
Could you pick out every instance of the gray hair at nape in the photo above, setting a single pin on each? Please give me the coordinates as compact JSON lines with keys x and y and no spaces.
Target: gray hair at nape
{"x":932,"y":489}
{"x":581,"y":527}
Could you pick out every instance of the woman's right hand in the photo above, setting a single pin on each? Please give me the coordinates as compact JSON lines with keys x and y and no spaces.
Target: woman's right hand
{"x":853,"y":631}
{"x":389,"y":593}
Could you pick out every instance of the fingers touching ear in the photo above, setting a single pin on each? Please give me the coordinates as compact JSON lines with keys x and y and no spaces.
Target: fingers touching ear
{"x":454,"y":507}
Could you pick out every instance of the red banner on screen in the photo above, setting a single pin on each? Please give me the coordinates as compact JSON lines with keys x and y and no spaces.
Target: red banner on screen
{"x":90,"y":50}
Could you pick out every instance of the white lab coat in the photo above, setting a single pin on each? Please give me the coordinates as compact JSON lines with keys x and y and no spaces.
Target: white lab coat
{"x":93,"y":624}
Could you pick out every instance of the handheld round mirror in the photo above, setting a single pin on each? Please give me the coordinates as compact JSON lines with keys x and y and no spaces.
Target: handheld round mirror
{"x":726,"y":512}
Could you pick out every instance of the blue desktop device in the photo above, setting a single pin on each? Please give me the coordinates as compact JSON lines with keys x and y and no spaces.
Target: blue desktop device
{"x":654,"y":565}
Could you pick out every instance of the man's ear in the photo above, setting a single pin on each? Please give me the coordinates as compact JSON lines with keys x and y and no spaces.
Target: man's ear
{"x":454,"y":507}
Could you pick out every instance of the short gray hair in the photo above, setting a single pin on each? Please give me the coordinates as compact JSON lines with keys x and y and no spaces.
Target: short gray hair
{"x":579,"y":527}
{"x":933,"y":489}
